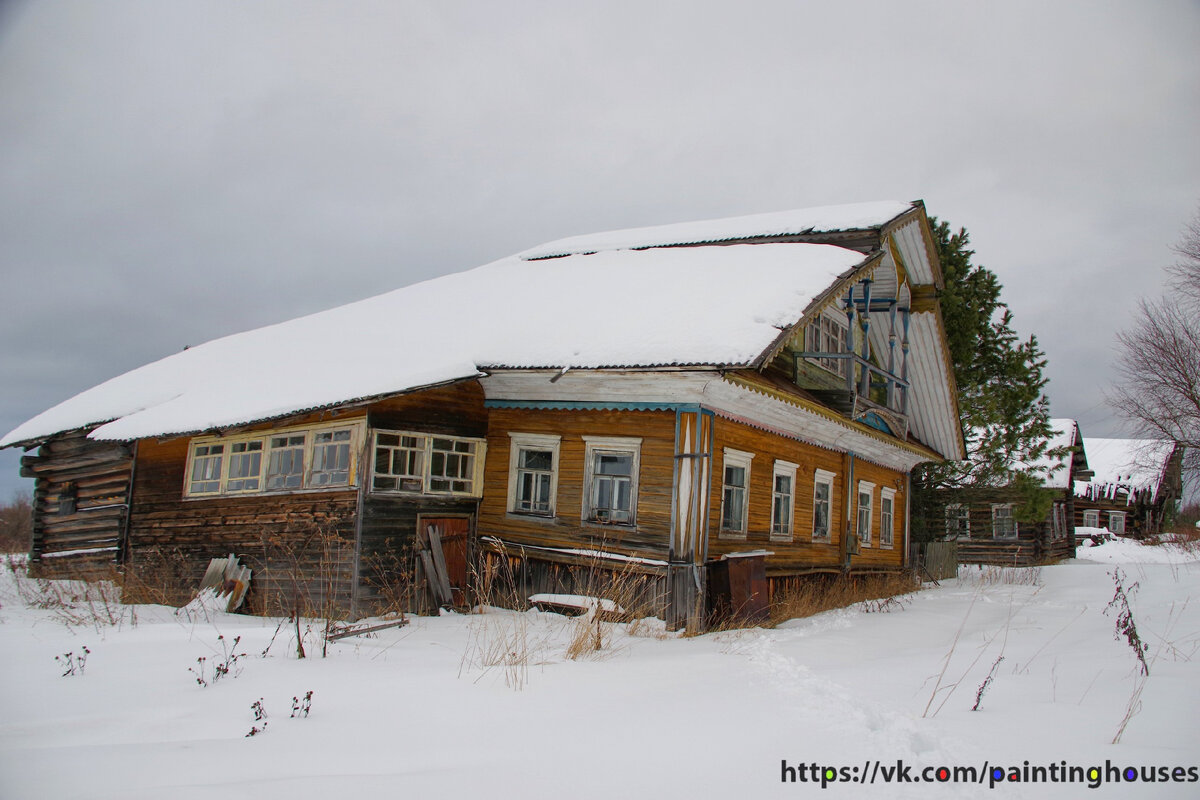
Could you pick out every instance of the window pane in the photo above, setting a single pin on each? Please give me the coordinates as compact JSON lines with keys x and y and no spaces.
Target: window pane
{"x":735,"y":476}
{"x":613,"y":464}
{"x":537,"y":459}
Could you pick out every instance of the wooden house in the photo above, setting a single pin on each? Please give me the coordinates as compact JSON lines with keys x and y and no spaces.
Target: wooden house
{"x":1135,"y":485}
{"x":985,"y":521}
{"x":649,"y":401}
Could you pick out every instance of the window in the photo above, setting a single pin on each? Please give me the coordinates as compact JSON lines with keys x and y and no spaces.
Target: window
{"x":1003,"y":524}
{"x":958,"y":521}
{"x":532,"y":473}
{"x":285,"y":462}
{"x":887,"y":515}
{"x":1091,"y":518}
{"x":1058,"y":521}
{"x":1116,"y":521}
{"x":610,"y":479}
{"x":206,"y":468}
{"x":408,"y":461}
{"x":452,"y":465}
{"x":822,"y":504}
{"x":291,"y":460}
{"x":735,"y":489}
{"x":866,"y":492}
{"x":828,"y":335}
{"x":399,"y":462}
{"x":782,"y":503}
{"x":245,"y":466}
{"x":330,"y":458}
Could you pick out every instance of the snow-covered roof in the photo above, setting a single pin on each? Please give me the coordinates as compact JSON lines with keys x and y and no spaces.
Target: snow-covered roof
{"x":719,"y":306}
{"x":825,"y":219}
{"x":1125,"y":466}
{"x":1056,"y":471}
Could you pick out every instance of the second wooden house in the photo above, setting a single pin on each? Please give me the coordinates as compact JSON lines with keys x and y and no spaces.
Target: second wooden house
{"x":1134,"y":486}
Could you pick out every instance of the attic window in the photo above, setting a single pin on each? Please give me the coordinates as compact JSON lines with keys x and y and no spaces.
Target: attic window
{"x":828,"y":335}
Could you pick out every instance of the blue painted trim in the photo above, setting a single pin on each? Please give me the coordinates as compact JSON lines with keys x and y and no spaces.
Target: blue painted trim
{"x":877,"y":422}
{"x":590,"y":405}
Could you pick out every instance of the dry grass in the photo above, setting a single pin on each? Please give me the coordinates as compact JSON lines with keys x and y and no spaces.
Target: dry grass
{"x":73,"y":601}
{"x":804,"y":597}
{"x":995,"y":575}
{"x":157,"y":576}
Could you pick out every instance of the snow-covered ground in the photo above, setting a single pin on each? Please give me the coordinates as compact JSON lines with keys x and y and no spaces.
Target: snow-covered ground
{"x":415,"y":711}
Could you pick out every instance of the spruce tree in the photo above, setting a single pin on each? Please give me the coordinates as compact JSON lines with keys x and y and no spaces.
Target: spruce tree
{"x":1004,"y":412}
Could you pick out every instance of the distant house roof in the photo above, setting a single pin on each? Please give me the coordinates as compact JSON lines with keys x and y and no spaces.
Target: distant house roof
{"x":1126,"y":466}
{"x":723,"y":306}
{"x":1053,"y":471}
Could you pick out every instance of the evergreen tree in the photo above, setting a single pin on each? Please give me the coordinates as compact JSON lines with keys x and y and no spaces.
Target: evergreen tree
{"x":1005,"y":415}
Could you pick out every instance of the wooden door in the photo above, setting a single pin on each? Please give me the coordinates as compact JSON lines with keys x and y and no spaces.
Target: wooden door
{"x":453,"y":532}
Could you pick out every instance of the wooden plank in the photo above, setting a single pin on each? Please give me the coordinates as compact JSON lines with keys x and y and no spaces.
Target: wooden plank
{"x":434,"y":584}
{"x":342,"y":633}
{"x":439,"y":563}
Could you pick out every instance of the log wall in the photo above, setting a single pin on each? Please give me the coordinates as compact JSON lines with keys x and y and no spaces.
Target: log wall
{"x":300,"y":545}
{"x":1034,"y":544}
{"x":80,"y":505}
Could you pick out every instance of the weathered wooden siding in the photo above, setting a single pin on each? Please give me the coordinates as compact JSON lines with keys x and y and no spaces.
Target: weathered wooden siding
{"x":801,"y":553}
{"x":647,"y":539}
{"x":300,"y":545}
{"x":1034,"y":544}
{"x":80,"y":505}
{"x":387,"y":570}
{"x":455,"y":410}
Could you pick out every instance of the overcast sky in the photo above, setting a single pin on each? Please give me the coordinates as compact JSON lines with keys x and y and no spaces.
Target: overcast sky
{"x":174,"y":172}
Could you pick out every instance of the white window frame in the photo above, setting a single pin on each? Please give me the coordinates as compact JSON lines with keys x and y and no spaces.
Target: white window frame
{"x":596,"y":445}
{"x":1016,"y":530}
{"x":532,"y":441}
{"x":1113,"y":518}
{"x":830,"y":328}
{"x":476,"y":479}
{"x":736,"y":458}
{"x":356,"y":429}
{"x":1091,"y":518}
{"x":887,"y":532}
{"x":828,"y":479}
{"x":417,"y":451}
{"x":961,"y":514}
{"x":302,"y":435}
{"x":867,"y":488}
{"x":786,"y":531}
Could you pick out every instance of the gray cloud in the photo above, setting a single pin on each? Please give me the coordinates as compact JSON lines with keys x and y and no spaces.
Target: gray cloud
{"x":170,"y":172}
